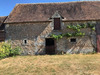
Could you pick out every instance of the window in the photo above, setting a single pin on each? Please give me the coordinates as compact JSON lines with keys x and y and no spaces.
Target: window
{"x":25,"y":41}
{"x":73,"y":40}
{"x":57,"y":24}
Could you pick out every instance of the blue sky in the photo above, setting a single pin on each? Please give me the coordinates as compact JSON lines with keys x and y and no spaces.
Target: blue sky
{"x":6,"y":6}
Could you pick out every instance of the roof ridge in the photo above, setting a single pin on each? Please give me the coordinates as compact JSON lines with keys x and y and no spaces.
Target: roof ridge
{"x":57,"y":2}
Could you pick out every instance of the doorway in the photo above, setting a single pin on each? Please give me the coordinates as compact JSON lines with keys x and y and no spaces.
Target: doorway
{"x":50,"y":46}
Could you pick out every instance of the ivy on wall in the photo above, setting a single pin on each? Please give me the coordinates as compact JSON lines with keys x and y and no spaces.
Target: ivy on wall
{"x":77,"y":28}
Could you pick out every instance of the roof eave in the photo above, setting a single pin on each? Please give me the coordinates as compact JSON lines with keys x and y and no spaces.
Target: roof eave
{"x":51,"y":21}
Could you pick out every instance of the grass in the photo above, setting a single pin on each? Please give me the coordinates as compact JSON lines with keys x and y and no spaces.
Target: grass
{"x":51,"y":65}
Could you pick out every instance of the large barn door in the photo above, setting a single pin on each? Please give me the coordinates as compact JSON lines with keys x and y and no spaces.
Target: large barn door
{"x":50,"y":46}
{"x":98,"y":36}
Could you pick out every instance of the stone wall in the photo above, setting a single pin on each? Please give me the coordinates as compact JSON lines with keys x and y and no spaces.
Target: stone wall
{"x":84,"y":44}
{"x":35,"y":34}
{"x":16,"y":33}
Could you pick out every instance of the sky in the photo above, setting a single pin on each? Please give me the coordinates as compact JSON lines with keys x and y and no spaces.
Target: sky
{"x":6,"y":6}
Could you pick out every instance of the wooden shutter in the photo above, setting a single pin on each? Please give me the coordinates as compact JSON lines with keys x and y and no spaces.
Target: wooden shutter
{"x":57,"y":24}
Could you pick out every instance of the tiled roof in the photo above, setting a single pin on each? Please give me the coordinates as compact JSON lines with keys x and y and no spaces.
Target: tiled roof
{"x":85,"y":10}
{"x":2,"y":19}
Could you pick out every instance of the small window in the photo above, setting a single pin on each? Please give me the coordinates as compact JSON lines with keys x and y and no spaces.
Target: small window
{"x":73,"y":40}
{"x":25,"y":41}
{"x":57,"y":24}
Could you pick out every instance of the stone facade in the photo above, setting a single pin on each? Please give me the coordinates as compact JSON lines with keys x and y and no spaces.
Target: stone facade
{"x":84,"y":44}
{"x":16,"y":33}
{"x":36,"y":33}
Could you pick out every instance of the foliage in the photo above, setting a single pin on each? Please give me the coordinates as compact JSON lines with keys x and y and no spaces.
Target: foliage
{"x":15,"y":51}
{"x":56,"y":36}
{"x":93,"y":28}
{"x":74,"y":34}
{"x":6,"y":50}
{"x":77,"y":28}
{"x":90,"y":25}
{"x":67,"y":35}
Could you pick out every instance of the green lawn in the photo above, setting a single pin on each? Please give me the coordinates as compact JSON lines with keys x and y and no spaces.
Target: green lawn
{"x":78,"y":64}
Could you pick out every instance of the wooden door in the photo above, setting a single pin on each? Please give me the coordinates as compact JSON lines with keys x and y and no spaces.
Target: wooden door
{"x":98,"y":36}
{"x":50,"y":46}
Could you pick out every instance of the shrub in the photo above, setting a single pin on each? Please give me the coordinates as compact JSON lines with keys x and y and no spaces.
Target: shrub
{"x":6,"y":50}
{"x":15,"y":51}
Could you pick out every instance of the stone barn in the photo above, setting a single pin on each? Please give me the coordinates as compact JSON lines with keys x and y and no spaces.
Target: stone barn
{"x":53,"y":28}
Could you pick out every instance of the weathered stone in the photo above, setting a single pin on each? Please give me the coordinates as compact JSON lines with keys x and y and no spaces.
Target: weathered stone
{"x":35,"y":33}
